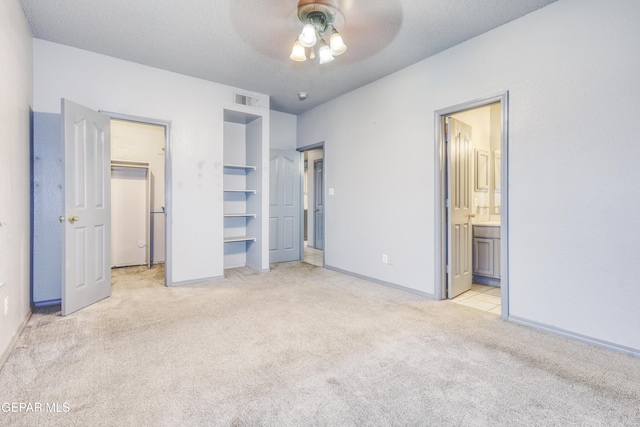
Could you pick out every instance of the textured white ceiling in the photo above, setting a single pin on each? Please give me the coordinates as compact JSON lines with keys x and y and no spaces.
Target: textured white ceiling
{"x":246,"y":43}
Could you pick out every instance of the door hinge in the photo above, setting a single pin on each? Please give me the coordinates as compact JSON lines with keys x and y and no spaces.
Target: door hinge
{"x":448,"y":269}
{"x":447,"y":203}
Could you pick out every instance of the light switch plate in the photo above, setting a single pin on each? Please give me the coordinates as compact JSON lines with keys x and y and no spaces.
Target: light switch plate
{"x":331,"y":191}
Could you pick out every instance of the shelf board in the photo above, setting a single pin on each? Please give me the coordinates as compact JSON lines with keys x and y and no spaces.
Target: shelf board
{"x":244,"y":167}
{"x":239,"y":239}
{"x":241,"y":191}
{"x":239,"y":215}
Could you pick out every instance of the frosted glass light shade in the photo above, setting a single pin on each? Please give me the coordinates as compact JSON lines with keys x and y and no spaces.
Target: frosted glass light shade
{"x":308,"y":37}
{"x":297,"y":53}
{"x":337,"y":44}
{"x":325,"y":54}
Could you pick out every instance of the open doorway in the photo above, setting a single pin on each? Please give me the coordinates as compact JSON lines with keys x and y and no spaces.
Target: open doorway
{"x":139,"y":195}
{"x":71,"y":266}
{"x":472,"y":222}
{"x":313,"y":205}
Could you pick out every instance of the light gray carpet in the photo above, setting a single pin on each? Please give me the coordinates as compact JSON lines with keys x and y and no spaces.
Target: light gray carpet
{"x":305,"y":346}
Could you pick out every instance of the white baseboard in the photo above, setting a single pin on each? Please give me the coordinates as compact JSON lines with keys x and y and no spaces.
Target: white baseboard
{"x":195,"y":281}
{"x":572,"y":335}
{"x":381,"y":282}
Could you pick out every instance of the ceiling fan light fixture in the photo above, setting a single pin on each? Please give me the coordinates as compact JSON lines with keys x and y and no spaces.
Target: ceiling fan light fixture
{"x":298,"y":53}
{"x":337,"y":44}
{"x":319,"y":18}
{"x":308,"y":36}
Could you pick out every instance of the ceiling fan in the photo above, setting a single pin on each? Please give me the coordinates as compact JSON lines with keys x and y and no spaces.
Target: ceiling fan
{"x":269,"y":26}
{"x":319,"y":17}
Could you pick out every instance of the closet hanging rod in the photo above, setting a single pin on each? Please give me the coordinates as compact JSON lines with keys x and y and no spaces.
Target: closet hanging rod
{"x":129,"y":164}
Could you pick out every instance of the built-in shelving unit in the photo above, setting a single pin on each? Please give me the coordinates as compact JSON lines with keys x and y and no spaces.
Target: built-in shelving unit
{"x":242,"y":190}
{"x":242,"y":167}
{"x":239,"y":215}
{"x":239,"y":239}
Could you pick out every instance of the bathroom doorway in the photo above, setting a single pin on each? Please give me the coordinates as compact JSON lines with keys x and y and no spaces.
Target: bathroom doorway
{"x":472,"y":222}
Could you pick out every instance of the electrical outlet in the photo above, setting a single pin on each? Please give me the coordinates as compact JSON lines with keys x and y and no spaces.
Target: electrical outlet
{"x":6,"y":305}
{"x":385,"y":259}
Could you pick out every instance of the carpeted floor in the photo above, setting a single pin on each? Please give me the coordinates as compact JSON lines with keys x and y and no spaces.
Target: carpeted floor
{"x":303,"y":346}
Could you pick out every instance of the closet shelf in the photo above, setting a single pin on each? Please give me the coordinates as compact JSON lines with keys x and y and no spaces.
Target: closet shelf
{"x":239,"y":239}
{"x":239,"y":215}
{"x":244,"y":167}
{"x":240,"y":191}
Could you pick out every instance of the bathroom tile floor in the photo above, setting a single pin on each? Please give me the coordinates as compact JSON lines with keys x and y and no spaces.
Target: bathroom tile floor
{"x":481,"y":297}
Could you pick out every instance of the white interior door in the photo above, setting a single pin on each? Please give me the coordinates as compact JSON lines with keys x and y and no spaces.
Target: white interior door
{"x":86,"y":264}
{"x":459,"y":230}
{"x":285,"y":206}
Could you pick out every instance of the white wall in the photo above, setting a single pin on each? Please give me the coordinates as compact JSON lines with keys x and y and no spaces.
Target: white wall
{"x":15,"y":182}
{"x":572,"y":72}
{"x":195,"y":109}
{"x":283,"y":129}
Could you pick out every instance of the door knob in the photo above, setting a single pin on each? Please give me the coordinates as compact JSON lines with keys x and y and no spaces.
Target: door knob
{"x":61,"y":218}
{"x":73,"y":218}
{"x":316,"y":210}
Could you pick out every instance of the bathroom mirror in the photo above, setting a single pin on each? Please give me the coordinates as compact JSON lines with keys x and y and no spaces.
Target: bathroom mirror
{"x":482,"y":170}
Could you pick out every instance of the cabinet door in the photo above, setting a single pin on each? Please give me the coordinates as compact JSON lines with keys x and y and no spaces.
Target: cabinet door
{"x":483,"y":262}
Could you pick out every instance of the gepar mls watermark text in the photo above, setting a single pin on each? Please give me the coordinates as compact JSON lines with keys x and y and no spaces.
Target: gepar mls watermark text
{"x":35,"y":407}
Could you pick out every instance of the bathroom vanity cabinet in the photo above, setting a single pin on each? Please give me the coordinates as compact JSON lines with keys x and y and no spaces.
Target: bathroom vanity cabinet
{"x":486,"y":254}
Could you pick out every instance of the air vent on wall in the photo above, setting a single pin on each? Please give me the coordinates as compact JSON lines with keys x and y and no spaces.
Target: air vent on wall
{"x":251,"y":101}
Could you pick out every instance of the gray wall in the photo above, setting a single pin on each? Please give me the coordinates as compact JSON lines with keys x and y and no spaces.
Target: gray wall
{"x":571,"y":70}
{"x":16,"y":71}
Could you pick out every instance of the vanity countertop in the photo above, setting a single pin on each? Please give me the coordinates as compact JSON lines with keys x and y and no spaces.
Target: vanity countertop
{"x":488,"y":223}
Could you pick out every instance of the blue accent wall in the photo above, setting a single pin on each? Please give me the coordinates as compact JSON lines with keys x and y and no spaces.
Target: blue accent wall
{"x":47,"y":207}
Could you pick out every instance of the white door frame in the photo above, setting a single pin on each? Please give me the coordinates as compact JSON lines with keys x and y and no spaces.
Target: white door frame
{"x":440,"y":290}
{"x":168,"y":257}
{"x":324,"y":188}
